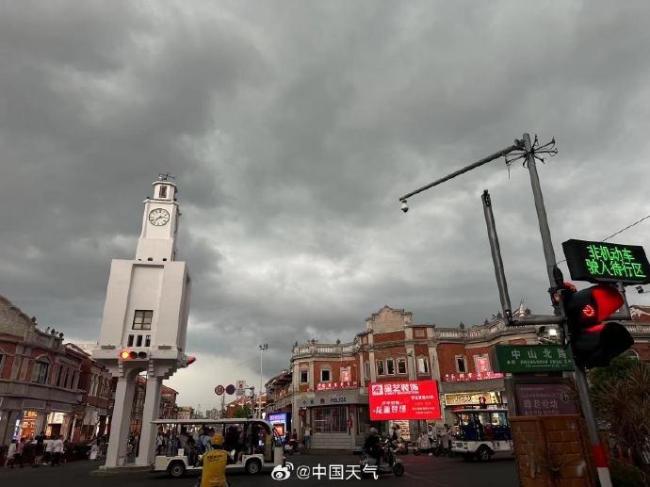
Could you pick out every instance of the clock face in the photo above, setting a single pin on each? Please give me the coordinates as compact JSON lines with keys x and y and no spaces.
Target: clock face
{"x":158,"y":217}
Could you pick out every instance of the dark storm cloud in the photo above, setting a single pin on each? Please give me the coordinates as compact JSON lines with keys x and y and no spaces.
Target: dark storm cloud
{"x":293,"y":127}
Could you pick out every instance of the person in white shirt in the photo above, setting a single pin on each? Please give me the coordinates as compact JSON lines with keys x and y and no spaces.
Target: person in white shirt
{"x":49,"y":450}
{"x":10,"y":454}
{"x":57,"y":448}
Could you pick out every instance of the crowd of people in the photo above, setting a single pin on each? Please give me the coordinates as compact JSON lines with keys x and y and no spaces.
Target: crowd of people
{"x":42,"y":450}
{"x":237,"y":442}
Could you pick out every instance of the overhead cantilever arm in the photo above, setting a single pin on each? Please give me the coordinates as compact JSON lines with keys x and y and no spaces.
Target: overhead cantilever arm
{"x":502,"y":153}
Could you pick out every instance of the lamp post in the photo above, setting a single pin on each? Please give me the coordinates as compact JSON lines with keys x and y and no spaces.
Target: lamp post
{"x":262,"y":348}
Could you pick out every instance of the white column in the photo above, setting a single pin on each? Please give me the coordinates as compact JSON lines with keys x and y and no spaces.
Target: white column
{"x":411,"y":363}
{"x":149,"y":413}
{"x":117,"y":445}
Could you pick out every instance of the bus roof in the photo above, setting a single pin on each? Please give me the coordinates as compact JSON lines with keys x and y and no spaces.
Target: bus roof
{"x":210,"y":421}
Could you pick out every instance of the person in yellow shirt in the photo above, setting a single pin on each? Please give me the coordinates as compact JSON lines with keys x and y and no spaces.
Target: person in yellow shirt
{"x":213,"y":473}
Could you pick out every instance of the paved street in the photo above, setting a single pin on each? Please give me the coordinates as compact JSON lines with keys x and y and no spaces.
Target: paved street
{"x":424,"y":470}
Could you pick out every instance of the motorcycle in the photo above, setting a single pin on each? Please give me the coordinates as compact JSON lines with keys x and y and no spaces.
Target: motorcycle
{"x":389,"y":463}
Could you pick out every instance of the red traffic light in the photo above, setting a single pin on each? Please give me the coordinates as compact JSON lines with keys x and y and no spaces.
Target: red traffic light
{"x":607,"y":300}
{"x":592,"y":305}
{"x":594,"y":343}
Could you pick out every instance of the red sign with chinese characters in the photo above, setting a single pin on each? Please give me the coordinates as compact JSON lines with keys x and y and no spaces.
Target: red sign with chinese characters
{"x":404,"y":400}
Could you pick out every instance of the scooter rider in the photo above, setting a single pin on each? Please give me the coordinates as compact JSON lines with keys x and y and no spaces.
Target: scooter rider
{"x":213,"y":473}
{"x":372,"y":445}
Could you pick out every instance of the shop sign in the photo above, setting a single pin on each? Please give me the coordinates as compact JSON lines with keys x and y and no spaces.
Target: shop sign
{"x":464,"y":399}
{"x":545,"y":400}
{"x":470,"y":376}
{"x":328,"y":386}
{"x":277,"y":418}
{"x":519,"y":359}
{"x":412,"y":400}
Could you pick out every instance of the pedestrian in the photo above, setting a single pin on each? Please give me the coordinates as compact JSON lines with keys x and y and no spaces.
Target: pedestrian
{"x":11,"y":453}
{"x":159,"y":442}
{"x":57,"y":450}
{"x":19,"y":456}
{"x":306,"y":437}
{"x":39,"y":449}
{"x":49,"y":445}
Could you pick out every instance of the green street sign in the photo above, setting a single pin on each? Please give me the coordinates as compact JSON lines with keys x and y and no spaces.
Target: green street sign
{"x":528,"y":359}
{"x":606,"y":262}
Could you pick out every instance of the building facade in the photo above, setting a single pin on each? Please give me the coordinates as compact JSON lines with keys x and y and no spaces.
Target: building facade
{"x":167,"y":405}
{"x":326,"y":387}
{"x":39,"y":378}
{"x":92,"y":415}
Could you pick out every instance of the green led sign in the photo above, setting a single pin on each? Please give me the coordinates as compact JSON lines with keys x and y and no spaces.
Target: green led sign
{"x":606,"y":262}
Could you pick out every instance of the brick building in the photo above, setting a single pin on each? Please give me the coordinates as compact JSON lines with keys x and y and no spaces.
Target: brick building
{"x":55,"y":387}
{"x":167,"y":409}
{"x":39,"y":377}
{"x":91,"y":416}
{"x":326,"y":386}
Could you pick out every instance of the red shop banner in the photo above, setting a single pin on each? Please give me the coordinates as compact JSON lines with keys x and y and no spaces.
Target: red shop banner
{"x":404,"y":400}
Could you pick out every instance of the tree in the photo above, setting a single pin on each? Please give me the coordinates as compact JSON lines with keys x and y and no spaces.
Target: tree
{"x":242,"y":411}
{"x":621,"y":396}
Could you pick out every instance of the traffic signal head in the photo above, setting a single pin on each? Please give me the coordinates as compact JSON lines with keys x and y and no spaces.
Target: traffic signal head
{"x":596,"y":346}
{"x":593,"y":342}
{"x":133,"y":355}
{"x":592,"y":305}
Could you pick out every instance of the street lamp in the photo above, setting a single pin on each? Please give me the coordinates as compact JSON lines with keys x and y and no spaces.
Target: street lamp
{"x":262,"y":348}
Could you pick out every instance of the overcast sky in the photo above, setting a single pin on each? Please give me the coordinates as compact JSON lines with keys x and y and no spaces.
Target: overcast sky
{"x":292,"y":128}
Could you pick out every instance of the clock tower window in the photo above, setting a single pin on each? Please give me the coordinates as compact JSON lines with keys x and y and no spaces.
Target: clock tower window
{"x":142,"y":319}
{"x":162,"y":192}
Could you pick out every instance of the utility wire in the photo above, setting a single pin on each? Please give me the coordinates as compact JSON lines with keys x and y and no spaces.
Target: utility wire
{"x":619,"y":232}
{"x":626,"y":228}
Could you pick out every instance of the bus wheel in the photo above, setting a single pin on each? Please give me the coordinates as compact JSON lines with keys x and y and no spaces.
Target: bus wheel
{"x":253,"y":467}
{"x":176,"y":469}
{"x":484,"y":454}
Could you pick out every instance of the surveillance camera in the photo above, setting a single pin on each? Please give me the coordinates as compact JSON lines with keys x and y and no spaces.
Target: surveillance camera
{"x":405,"y":206}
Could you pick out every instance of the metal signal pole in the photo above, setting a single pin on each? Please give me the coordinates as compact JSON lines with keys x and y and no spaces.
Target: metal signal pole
{"x":527,"y":151}
{"x":580,"y":375}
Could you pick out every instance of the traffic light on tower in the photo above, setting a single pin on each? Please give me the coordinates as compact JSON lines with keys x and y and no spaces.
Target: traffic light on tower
{"x":133,"y":355}
{"x":593,"y":342}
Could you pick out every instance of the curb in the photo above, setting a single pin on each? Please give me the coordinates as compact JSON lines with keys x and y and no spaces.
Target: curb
{"x":114,"y":471}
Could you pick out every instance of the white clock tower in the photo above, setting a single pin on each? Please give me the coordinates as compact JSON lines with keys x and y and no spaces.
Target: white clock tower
{"x":145,"y":321}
